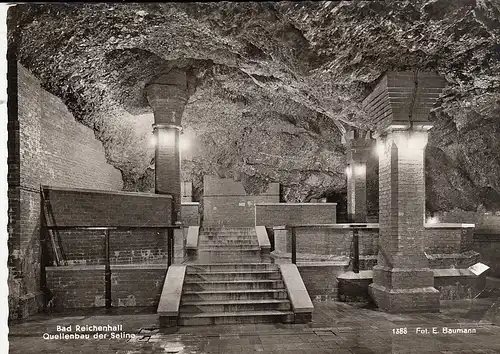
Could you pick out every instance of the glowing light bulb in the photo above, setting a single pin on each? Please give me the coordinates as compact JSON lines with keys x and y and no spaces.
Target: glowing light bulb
{"x":360,"y":169}
{"x":380,"y":148}
{"x":166,"y":137}
{"x":348,"y":171}
{"x":184,"y":143}
{"x":433,"y":220}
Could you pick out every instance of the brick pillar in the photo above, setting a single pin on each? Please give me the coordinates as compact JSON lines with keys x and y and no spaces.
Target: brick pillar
{"x":402,"y":279}
{"x":168,"y":95}
{"x":399,"y":107}
{"x":359,"y":146}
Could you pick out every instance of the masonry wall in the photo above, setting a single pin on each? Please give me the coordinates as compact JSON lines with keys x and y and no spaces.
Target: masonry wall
{"x":84,"y":287}
{"x":331,"y":241}
{"x":225,"y":202}
{"x":85,"y":207}
{"x":277,"y":214}
{"x":448,"y":240}
{"x":46,"y":146}
{"x":320,"y":280}
{"x":488,"y":246}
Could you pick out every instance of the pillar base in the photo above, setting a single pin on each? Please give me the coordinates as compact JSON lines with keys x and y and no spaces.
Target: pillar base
{"x":400,"y":290}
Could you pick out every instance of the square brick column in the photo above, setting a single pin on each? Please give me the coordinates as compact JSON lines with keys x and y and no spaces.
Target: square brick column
{"x":168,"y":165}
{"x":167,"y":94}
{"x":402,"y":279}
{"x":399,"y":107}
{"x":359,"y":145}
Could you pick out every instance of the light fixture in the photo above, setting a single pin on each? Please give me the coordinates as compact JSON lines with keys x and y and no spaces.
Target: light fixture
{"x":360,"y":169}
{"x":184,"y":143}
{"x":348,"y":171}
{"x":152,"y":140}
{"x":417,"y":141}
{"x":380,"y":148}
{"x":166,"y":137}
{"x":432,"y":220}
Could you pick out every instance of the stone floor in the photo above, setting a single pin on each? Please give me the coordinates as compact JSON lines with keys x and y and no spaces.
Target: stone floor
{"x":336,"y":328}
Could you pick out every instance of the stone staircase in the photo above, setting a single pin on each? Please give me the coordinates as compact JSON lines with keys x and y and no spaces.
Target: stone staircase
{"x":231,"y":282}
{"x":218,"y":244}
{"x":234,"y":293}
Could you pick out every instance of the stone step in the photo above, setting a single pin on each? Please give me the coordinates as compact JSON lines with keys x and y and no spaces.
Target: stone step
{"x":228,"y":242}
{"x":228,"y":295}
{"x":194,"y":319}
{"x":228,"y":247}
{"x":230,"y":257}
{"x":224,"y":228}
{"x":251,"y":250}
{"x":233,"y":285}
{"x":226,"y":234}
{"x":228,"y":267}
{"x":233,"y":275}
{"x":233,"y":306}
{"x":227,"y":237}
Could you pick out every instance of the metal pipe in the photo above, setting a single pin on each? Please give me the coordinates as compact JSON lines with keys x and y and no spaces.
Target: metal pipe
{"x":107,"y":271}
{"x":170,"y":236}
{"x":294,"y":246}
{"x":355,"y":236}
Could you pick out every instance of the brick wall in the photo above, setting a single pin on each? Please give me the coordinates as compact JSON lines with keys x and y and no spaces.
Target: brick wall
{"x":448,"y":240}
{"x":87,"y":207}
{"x":331,"y":241}
{"x":277,"y":214}
{"x":131,"y":286}
{"x":74,"y":287}
{"x":190,"y":213}
{"x":225,"y":202}
{"x":84,"y":286}
{"x":321,"y":280}
{"x":134,"y":246}
{"x":84,"y":207}
{"x":46,"y":146}
{"x":488,"y":246}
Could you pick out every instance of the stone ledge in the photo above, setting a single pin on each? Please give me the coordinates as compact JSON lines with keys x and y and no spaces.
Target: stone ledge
{"x":363,"y":274}
{"x":366,"y":226}
{"x":297,"y":292}
{"x":262,"y":237}
{"x":310,"y":259}
{"x":294,"y":204}
{"x":172,"y":290}
{"x":449,"y":226}
{"x":104,"y":191}
{"x":192,"y":237}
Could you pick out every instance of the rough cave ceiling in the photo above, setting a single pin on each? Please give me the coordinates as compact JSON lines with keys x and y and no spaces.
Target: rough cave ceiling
{"x":275,"y":84}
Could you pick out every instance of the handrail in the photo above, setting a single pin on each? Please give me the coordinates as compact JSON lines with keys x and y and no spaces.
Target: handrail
{"x":355,"y":227}
{"x":99,"y":228}
{"x":107,"y":248}
{"x":366,"y":226}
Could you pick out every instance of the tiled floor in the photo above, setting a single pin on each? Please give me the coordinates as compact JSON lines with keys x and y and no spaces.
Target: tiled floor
{"x":336,"y":328}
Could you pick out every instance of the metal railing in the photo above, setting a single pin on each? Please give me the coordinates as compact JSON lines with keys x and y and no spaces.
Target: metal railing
{"x":355,"y":227}
{"x":107,"y":246}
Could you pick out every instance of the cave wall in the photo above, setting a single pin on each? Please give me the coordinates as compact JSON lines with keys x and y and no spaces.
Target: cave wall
{"x":46,"y":146}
